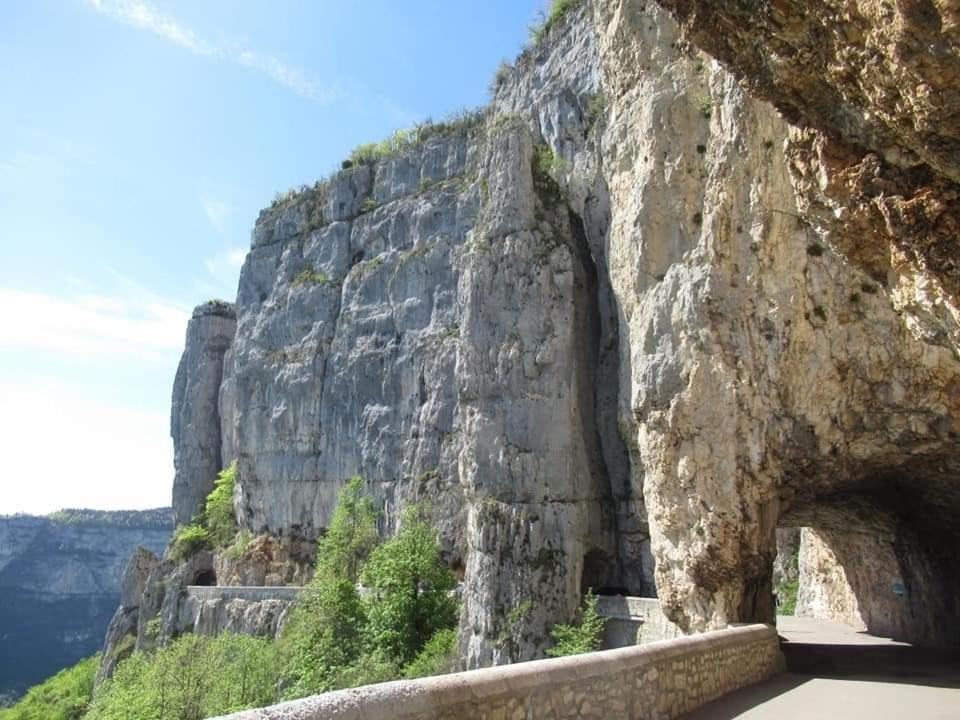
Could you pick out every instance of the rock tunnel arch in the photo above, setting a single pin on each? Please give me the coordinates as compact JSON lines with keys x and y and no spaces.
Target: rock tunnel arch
{"x":878,"y":553}
{"x":205,"y":578}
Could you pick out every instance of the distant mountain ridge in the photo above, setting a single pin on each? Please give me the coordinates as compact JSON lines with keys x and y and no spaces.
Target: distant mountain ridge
{"x":59,"y":584}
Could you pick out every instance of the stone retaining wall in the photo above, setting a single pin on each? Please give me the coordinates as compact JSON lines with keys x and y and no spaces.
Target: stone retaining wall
{"x":657,"y":681}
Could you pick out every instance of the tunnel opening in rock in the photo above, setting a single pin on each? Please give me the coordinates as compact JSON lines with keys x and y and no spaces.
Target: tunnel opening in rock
{"x":877,"y":558}
{"x":786,"y":570}
{"x":598,"y":575}
{"x":206,"y":578}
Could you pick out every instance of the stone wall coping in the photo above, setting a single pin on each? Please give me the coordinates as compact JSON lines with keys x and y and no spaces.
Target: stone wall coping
{"x":428,"y":696}
{"x":626,"y":607}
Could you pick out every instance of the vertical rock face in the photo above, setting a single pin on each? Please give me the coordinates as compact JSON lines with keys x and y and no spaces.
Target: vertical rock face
{"x":607,"y":322}
{"x":829,"y":386}
{"x":194,"y":416}
{"x":885,"y":581}
{"x":872,"y":89}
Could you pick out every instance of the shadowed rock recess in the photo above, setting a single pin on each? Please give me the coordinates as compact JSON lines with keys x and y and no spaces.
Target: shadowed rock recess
{"x":629,"y":317}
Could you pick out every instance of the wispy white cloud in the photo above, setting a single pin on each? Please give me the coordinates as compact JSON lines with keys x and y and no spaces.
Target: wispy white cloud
{"x":225,"y":267}
{"x":93,"y":325}
{"x":140,"y":14}
{"x":216,"y":211}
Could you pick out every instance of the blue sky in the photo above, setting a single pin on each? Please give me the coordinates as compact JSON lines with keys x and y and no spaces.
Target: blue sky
{"x":138,"y":141}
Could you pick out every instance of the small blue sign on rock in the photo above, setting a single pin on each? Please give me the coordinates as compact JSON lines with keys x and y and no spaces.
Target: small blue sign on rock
{"x":898,"y":588}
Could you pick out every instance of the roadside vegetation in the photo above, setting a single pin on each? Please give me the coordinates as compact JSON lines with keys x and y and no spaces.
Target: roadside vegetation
{"x":786,"y":593}
{"x":401,"y":625}
{"x":376,"y":610}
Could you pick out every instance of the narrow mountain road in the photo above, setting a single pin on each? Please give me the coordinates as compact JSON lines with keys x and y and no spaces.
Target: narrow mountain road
{"x":837,"y":672}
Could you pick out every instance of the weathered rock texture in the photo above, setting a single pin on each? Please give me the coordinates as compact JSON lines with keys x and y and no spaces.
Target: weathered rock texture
{"x":871,"y":91}
{"x":125,"y":620}
{"x":877,"y":580}
{"x":873,"y":88}
{"x":60,"y":579}
{"x":267,"y":561}
{"x":629,"y":313}
{"x":260,"y":611}
{"x":195,"y":417}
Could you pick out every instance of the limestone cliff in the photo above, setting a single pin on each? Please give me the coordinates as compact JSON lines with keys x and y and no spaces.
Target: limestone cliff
{"x":870,"y":90}
{"x":610,"y":329}
{"x":195,"y":414}
{"x":59,"y":583}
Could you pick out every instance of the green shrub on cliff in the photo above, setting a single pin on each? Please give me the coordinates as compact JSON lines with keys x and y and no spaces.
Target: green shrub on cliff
{"x":215,"y":526}
{"x":188,"y":540}
{"x":786,"y":593}
{"x":220,"y":521}
{"x":405,"y":139}
{"x":586,"y":636}
{"x":65,"y":696}
{"x":558,"y":11}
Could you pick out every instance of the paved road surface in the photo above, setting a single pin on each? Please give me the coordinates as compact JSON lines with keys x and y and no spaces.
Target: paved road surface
{"x":837,"y":672}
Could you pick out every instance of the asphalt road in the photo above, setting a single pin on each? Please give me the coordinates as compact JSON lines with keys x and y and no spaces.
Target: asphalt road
{"x":837,"y":672}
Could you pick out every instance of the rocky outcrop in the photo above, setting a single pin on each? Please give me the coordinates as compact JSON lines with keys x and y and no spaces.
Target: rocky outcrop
{"x":124,"y":623}
{"x":60,"y":580}
{"x":195,"y":415}
{"x":881,"y":578}
{"x":267,"y":561}
{"x":874,"y":426}
{"x":615,"y":330}
{"x":258,"y":611}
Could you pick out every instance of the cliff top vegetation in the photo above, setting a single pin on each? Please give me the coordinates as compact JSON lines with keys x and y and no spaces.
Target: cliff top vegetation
{"x":155,"y":519}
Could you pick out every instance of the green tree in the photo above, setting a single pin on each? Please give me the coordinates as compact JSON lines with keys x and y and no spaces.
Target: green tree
{"x":409,"y":591}
{"x":351,"y":537}
{"x":324,"y":634}
{"x":64,"y":696}
{"x":586,"y":636}
{"x":322,"y":637}
{"x":438,"y":657}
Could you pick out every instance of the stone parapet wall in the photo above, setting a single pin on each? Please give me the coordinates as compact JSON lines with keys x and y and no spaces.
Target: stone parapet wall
{"x":249,"y":593}
{"x":634,"y":621}
{"x":657,"y":681}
